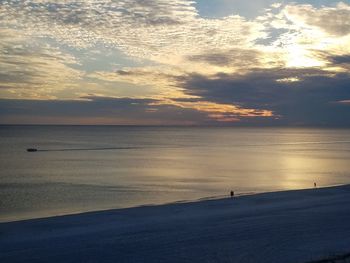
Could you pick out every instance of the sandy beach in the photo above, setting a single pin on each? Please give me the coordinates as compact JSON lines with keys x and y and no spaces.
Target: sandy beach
{"x":291,"y":226}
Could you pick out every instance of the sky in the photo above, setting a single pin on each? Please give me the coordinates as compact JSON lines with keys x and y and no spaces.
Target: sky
{"x":180,"y":62}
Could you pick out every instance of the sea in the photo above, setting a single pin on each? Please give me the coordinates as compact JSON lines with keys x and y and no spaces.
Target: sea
{"x":90,"y":168}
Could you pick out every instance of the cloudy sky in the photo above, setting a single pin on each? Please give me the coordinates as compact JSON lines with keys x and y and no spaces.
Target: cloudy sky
{"x":180,"y":62}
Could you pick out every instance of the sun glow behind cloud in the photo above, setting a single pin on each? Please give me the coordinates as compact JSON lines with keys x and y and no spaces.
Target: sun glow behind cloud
{"x":45,"y":45}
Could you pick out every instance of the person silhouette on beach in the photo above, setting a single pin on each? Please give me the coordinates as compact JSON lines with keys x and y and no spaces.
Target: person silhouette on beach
{"x":232,"y":194}
{"x":315,"y":185}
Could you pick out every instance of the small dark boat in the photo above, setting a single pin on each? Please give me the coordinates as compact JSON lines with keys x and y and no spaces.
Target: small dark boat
{"x":32,"y":150}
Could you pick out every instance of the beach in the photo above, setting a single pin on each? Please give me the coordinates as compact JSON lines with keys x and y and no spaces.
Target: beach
{"x":289,"y":226}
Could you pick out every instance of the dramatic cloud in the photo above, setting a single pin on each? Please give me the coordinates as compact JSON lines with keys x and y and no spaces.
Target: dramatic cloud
{"x":266,"y":62}
{"x":304,"y":97}
{"x":172,"y":94}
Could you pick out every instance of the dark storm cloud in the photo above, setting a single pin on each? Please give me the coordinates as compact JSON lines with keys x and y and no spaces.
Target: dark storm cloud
{"x":309,"y":101}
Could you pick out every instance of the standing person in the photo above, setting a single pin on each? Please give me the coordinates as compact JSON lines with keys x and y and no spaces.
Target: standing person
{"x":315,"y":185}
{"x":232,"y":194}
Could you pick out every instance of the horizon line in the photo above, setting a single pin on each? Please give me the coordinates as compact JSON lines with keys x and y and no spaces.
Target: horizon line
{"x":183,"y":125}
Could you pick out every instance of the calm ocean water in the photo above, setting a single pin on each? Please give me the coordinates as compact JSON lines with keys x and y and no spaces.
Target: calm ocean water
{"x":87,"y":168}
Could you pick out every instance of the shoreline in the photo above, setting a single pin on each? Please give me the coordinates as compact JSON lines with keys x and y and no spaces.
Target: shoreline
{"x":202,"y":199}
{"x":284,"y":226}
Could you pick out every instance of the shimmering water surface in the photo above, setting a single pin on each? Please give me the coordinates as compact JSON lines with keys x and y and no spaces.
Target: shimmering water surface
{"x":87,"y":168}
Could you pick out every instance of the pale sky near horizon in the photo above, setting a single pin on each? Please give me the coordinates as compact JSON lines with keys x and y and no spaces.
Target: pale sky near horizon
{"x":158,"y":62}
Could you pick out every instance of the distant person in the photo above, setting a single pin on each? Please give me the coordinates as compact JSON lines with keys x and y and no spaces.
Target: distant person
{"x":315,"y":185}
{"x":232,"y":194}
